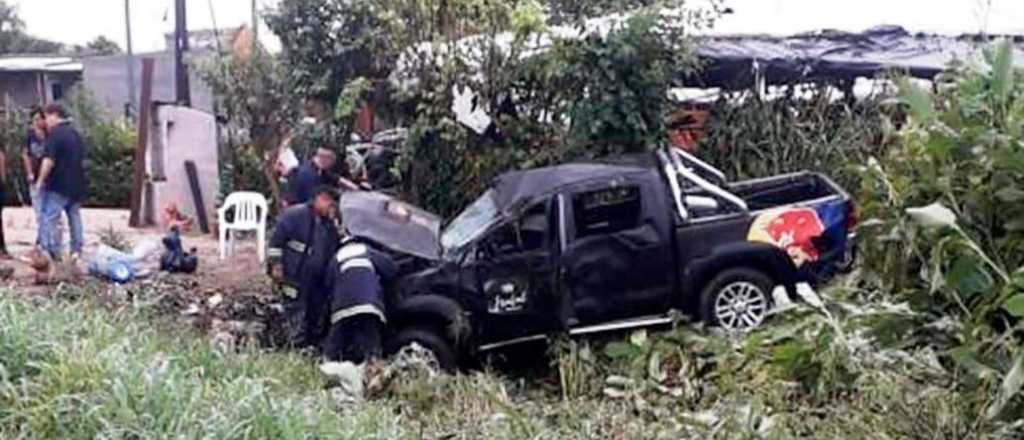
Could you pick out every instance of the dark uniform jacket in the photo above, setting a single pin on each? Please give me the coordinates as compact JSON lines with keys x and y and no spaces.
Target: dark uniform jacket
{"x":303,"y":244}
{"x":357,"y":281}
{"x":304,"y":180}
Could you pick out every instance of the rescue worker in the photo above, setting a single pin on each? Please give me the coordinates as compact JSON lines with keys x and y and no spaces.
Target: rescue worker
{"x":357,"y":277}
{"x":304,"y":241}
{"x":318,"y":171}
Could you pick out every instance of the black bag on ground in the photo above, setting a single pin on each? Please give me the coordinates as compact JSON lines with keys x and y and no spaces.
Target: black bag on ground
{"x":175,"y":259}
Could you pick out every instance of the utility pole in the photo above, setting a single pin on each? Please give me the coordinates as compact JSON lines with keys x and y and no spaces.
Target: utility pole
{"x":133,"y":103}
{"x":180,"y":47}
{"x":255,"y":24}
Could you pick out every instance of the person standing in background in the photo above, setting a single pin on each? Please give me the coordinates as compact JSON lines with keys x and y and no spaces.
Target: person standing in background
{"x":4,"y":255}
{"x":31,"y":159}
{"x":317,"y":172}
{"x":61,"y":181}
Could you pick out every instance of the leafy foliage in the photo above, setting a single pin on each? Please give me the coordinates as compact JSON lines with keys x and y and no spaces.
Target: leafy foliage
{"x":329,"y":42}
{"x":110,"y":149}
{"x":596,"y":96}
{"x":753,"y":137}
{"x":252,"y":92}
{"x":602,"y":94}
{"x":962,"y":153}
{"x":100,"y":45}
{"x":13,"y":130}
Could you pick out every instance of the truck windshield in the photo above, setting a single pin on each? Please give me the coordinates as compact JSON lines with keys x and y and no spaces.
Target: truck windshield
{"x":472,"y":222}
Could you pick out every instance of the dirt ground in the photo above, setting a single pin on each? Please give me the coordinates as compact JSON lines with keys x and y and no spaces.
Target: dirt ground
{"x":240,"y":271}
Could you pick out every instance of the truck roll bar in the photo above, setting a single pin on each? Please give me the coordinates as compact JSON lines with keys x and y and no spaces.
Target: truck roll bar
{"x":675,"y":167}
{"x":700,"y":164}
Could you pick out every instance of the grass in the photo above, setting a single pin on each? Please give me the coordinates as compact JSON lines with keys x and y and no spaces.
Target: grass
{"x":86,"y":368}
{"x":71,"y":370}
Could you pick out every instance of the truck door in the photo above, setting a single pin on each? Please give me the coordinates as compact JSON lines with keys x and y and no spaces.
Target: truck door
{"x":617,"y":262}
{"x":516,"y":271}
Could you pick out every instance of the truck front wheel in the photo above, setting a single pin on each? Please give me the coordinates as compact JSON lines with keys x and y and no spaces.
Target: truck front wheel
{"x":427,"y":339}
{"x":737,"y":299}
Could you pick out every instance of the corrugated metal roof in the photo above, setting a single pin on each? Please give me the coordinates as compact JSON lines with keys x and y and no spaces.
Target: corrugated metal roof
{"x":39,"y":64}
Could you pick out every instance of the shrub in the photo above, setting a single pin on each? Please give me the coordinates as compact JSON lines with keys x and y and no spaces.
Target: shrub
{"x":757,"y":138}
{"x":13,"y":129}
{"x":959,"y":171}
{"x":110,"y":152}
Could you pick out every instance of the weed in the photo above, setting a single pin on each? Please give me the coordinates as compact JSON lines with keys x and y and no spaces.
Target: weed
{"x":115,"y":238}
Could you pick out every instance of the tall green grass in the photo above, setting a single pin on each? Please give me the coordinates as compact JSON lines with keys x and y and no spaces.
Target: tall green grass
{"x":90,"y":368}
{"x":70,"y":370}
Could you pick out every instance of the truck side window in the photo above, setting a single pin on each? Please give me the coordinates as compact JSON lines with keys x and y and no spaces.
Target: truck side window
{"x":607,"y":210}
{"x":527,"y":233}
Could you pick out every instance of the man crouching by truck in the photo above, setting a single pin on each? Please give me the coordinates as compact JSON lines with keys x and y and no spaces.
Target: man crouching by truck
{"x":304,"y":241}
{"x":357,"y":277}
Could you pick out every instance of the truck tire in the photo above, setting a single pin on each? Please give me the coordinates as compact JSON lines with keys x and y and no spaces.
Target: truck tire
{"x":427,"y":338}
{"x":737,"y":299}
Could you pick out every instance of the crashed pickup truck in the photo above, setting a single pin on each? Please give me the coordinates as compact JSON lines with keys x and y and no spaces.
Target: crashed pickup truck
{"x":586,"y":248}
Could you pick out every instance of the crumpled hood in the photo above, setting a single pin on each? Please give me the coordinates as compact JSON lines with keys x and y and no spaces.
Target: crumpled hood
{"x":392,"y":223}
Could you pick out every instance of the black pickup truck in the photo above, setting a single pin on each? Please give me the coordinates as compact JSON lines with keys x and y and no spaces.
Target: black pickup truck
{"x":585,"y":248}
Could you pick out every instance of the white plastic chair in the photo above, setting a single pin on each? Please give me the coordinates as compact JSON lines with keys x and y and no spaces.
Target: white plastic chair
{"x":250,"y":215}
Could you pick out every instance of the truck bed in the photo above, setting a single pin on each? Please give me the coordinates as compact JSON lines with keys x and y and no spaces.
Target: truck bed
{"x":787,"y":189}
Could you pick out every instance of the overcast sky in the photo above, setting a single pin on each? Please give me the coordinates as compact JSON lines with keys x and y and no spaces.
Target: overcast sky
{"x":78,"y":21}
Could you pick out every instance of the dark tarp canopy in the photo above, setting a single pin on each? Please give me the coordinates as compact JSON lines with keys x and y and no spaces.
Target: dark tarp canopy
{"x":736,"y":61}
{"x":731,"y":61}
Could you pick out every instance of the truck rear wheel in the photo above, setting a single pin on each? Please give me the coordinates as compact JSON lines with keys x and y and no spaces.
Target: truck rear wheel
{"x":737,"y":299}
{"x":427,"y":338}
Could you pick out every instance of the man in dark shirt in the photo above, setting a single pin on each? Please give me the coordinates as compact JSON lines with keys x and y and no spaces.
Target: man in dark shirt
{"x":310,"y":175}
{"x":61,"y":181}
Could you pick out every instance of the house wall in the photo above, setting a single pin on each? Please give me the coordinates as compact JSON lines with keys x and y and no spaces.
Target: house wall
{"x":106,"y":77}
{"x":180,"y":134}
{"x":20,"y":89}
{"x":23,"y":89}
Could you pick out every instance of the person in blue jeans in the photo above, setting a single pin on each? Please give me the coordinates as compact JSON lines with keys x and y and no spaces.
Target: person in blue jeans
{"x":32,"y":159}
{"x":61,"y":181}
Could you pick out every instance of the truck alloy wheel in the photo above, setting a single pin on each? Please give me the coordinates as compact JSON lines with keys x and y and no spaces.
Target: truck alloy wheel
{"x":740,"y":306}
{"x":737,"y":299}
{"x":427,"y":342}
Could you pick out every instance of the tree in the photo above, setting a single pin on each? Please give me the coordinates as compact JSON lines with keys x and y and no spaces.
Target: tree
{"x":9,"y":19}
{"x":328,"y":42}
{"x":252,"y":93}
{"x":580,"y":91}
{"x":13,"y":38}
{"x":101,"y":45}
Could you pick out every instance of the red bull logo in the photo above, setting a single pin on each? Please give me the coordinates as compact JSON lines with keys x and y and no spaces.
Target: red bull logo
{"x":791,"y":230}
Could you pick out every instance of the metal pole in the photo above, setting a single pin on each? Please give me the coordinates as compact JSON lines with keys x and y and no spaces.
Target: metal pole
{"x":255,"y":24}
{"x":133,"y":103}
{"x":180,"y":47}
